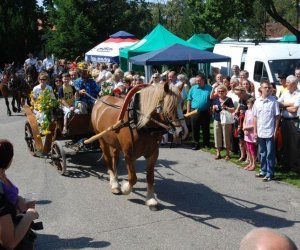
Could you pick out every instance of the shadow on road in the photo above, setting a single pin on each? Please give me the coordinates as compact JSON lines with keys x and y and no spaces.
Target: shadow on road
{"x":202,"y":204}
{"x":83,"y":165}
{"x":45,"y":241}
{"x":189,"y":198}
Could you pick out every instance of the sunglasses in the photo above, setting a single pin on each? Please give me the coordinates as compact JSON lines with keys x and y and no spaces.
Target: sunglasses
{"x":221,"y":91}
{"x":43,"y":79}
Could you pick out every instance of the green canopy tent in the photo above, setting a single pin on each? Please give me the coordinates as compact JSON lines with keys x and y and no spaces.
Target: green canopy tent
{"x":159,"y":38}
{"x":203,"y":41}
{"x":288,"y":39}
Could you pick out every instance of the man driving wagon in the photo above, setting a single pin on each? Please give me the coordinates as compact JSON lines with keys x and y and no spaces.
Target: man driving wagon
{"x":87,"y":89}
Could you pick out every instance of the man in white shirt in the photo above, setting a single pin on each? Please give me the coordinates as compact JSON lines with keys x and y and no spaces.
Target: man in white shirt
{"x":297,"y":74}
{"x":289,"y":103}
{"x":30,"y":61}
{"x":266,"y":121}
{"x":235,"y":72}
{"x":48,"y":64}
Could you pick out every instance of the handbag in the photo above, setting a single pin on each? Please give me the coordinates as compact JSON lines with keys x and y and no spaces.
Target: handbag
{"x":226,"y":117}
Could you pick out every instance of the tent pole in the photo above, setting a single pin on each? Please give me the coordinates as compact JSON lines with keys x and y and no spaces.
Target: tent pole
{"x":147,"y":73}
{"x":228,"y":68}
{"x":188,"y":70}
{"x":150,"y":72}
{"x":129,"y":66}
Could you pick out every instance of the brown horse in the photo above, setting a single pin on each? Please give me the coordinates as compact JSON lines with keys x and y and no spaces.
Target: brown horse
{"x":158,"y":109}
{"x":9,"y":86}
{"x":31,"y":79}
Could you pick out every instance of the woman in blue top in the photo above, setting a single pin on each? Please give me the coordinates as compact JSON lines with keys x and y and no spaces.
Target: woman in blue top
{"x":222,"y":132}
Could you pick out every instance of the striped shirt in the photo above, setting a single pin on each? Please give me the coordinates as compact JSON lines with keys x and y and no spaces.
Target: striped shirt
{"x":265,"y":111}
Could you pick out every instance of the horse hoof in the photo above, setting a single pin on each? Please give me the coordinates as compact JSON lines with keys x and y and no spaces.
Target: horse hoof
{"x":116,"y":191}
{"x":153,"y":208}
{"x":14,"y":110}
{"x":9,"y":113}
{"x":19,"y":110}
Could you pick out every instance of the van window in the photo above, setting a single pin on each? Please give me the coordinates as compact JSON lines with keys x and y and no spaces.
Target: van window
{"x":284,"y":66}
{"x":260,"y":72}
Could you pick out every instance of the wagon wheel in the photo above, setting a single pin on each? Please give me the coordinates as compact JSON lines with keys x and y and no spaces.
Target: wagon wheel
{"x":30,"y":139}
{"x":58,"y":157}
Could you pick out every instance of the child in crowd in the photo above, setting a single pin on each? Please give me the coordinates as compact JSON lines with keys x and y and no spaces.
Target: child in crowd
{"x":66,"y":96}
{"x":249,"y":135}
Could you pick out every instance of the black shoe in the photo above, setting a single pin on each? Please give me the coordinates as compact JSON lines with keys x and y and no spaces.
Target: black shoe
{"x":260,"y":175}
{"x":196,"y":146}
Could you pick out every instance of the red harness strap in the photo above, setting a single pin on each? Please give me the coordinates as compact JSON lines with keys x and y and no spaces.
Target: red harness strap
{"x":128,"y":98}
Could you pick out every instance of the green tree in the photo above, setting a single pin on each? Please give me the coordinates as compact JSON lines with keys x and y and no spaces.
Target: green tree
{"x":18,"y":30}
{"x":197,"y":8}
{"x":72,"y":30}
{"x":176,"y":17}
{"x":241,"y":18}
{"x":271,"y":9}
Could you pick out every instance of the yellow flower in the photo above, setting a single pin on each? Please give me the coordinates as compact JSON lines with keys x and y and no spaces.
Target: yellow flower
{"x":45,"y":103}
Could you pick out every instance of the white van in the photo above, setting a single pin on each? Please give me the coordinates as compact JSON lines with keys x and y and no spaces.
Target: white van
{"x":262,"y":60}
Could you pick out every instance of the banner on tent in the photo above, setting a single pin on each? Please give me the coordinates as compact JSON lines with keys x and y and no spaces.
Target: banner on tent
{"x":101,"y":59}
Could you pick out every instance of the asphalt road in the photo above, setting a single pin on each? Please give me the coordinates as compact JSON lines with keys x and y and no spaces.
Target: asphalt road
{"x":204,"y":204}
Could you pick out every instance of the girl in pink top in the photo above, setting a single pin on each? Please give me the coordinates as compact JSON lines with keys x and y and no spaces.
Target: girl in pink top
{"x":249,"y":135}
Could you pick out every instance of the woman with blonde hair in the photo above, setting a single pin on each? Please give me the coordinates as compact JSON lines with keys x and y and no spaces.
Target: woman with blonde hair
{"x":222,"y":132}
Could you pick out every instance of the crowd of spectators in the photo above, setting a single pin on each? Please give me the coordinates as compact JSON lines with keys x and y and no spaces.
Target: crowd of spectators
{"x":249,"y":135}
{"x":265,"y":127}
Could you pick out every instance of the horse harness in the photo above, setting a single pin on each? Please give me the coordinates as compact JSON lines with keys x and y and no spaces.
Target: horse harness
{"x":134,"y":114}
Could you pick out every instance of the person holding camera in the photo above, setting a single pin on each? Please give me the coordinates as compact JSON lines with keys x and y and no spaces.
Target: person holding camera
{"x":16,"y":215}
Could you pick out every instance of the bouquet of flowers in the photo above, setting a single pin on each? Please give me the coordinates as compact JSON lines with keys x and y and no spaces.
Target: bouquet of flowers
{"x":107,"y":88}
{"x":44,"y":106}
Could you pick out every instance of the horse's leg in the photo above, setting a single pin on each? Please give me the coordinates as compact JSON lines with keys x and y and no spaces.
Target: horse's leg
{"x":115,"y":186}
{"x":150,"y":198}
{"x":28,"y":96}
{"x":13,"y":102}
{"x":18,"y":99}
{"x":28,"y":101}
{"x":7,"y":105}
{"x":4,"y":92}
{"x":111,"y":163}
{"x":126,"y":186}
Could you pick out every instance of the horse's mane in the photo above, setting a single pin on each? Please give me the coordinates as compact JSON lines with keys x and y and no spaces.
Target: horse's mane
{"x":150,"y":98}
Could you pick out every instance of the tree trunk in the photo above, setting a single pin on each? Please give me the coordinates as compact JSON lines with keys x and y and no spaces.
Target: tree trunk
{"x":271,"y":10}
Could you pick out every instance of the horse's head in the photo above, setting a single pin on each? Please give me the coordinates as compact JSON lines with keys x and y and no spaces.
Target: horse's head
{"x":172,"y":112}
{"x":163,"y":106}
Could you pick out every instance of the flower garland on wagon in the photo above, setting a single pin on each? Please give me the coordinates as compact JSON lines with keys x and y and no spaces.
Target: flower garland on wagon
{"x":107,"y":88}
{"x":44,"y":107}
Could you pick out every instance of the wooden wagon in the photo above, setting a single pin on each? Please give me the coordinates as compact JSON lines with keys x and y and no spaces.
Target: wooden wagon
{"x":53,"y":145}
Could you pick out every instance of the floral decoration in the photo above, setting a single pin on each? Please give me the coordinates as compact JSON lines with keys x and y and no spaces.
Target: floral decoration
{"x":45,"y":104}
{"x":107,"y":88}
